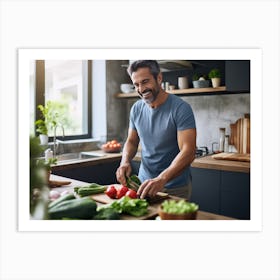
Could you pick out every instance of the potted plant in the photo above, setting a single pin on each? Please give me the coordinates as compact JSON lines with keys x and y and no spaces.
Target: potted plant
{"x":47,"y":122}
{"x":200,"y":81}
{"x":215,"y":76}
{"x":43,"y":131}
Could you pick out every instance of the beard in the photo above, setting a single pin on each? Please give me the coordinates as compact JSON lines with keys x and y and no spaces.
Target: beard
{"x":149,"y":95}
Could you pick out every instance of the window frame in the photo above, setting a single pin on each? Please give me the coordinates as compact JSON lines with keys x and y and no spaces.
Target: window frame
{"x":40,"y":97}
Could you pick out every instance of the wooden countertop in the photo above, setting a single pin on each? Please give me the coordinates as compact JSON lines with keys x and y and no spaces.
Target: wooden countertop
{"x":210,"y":163}
{"x":201,"y":215}
{"x":202,"y":162}
{"x":219,"y":164}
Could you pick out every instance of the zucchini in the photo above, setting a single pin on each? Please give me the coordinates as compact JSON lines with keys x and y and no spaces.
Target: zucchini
{"x":62,"y":198}
{"x":79,"y":208}
{"x":86,"y":191}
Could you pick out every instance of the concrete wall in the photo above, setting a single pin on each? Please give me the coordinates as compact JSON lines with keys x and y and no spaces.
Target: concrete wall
{"x":213,"y":112}
{"x":116,"y":108}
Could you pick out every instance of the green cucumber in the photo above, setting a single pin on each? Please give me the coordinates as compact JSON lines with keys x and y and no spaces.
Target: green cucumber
{"x":86,"y":191}
{"x":61,"y":199}
{"x":79,"y":208}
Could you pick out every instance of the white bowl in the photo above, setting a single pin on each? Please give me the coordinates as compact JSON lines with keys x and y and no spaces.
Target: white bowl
{"x":126,"y":88}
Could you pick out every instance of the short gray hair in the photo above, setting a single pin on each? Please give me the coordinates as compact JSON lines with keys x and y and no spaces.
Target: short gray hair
{"x":151,"y":64}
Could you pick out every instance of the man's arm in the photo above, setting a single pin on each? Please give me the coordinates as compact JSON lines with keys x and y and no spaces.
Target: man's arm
{"x":187,"y":146}
{"x":128,"y":153}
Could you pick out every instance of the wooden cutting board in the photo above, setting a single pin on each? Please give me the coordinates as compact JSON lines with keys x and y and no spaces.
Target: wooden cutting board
{"x":232,"y":156}
{"x":152,"y":209}
{"x":240,"y":134}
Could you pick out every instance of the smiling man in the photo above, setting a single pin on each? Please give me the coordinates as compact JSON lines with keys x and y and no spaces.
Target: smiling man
{"x":164,"y":124}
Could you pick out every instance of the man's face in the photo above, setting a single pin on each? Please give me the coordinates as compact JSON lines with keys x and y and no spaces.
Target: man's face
{"x":146,"y":85}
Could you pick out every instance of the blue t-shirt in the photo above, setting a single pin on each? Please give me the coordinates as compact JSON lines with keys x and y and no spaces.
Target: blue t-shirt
{"x":157,"y":129}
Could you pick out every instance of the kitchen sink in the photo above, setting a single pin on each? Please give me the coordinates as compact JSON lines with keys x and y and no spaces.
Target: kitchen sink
{"x":78,"y":156}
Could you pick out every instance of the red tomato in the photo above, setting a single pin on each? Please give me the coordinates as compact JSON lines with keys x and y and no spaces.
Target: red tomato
{"x":111,"y":192}
{"x":131,"y":193}
{"x":121,"y":191}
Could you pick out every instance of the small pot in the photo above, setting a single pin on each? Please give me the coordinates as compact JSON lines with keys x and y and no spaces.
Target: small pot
{"x":216,"y":82}
{"x":201,"y":83}
{"x":44,"y":139}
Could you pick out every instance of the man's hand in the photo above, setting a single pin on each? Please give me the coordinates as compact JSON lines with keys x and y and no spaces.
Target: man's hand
{"x":123,"y":172}
{"x":151,"y":187}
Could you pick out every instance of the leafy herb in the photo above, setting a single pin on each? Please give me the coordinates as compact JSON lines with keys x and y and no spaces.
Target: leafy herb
{"x":133,"y":206}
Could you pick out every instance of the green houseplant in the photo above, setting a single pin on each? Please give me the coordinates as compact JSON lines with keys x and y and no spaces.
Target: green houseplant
{"x":215,"y":76}
{"x":46,"y":122}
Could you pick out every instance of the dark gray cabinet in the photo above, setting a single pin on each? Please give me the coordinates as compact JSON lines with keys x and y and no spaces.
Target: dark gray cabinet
{"x":205,"y":189}
{"x":235,"y":194}
{"x":103,"y":173}
{"x":237,"y":75}
{"x":222,"y":192}
{"x":135,"y":165}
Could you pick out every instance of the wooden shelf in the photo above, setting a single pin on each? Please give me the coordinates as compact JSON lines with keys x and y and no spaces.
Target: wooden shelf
{"x":183,"y":92}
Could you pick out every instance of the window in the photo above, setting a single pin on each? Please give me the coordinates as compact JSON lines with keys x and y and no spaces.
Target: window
{"x":67,"y":84}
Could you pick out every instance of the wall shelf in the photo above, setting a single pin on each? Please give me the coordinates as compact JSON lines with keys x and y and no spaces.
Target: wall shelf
{"x":186,"y":92}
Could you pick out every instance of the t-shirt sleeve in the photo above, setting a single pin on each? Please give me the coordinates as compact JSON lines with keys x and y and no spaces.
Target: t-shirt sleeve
{"x":185,"y":117}
{"x":131,"y":118}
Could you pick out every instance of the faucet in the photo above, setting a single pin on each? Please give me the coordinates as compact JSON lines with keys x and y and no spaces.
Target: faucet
{"x":205,"y":149}
{"x":56,"y":141}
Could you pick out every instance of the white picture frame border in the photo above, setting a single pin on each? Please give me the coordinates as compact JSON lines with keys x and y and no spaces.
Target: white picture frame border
{"x":252,"y":54}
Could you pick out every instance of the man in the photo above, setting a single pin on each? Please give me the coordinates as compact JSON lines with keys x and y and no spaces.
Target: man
{"x":164,"y":124}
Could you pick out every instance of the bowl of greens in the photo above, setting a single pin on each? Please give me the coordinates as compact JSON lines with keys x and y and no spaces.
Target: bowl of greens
{"x":178,"y":210}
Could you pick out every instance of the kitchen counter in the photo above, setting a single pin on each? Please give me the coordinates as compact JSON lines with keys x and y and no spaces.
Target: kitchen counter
{"x":209,"y":163}
{"x":226,"y":165}
{"x":206,"y":162}
{"x":202,"y":215}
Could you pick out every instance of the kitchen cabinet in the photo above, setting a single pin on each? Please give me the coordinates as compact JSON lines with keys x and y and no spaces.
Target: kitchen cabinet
{"x":222,"y":192}
{"x":135,"y":165}
{"x":235,"y":194}
{"x":205,"y":189}
{"x":237,"y":76}
{"x":102,"y":173}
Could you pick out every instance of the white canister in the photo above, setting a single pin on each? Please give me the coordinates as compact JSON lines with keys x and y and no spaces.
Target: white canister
{"x":222,"y":139}
{"x":183,"y":82}
{"x":48,"y":154}
{"x":226,"y":145}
